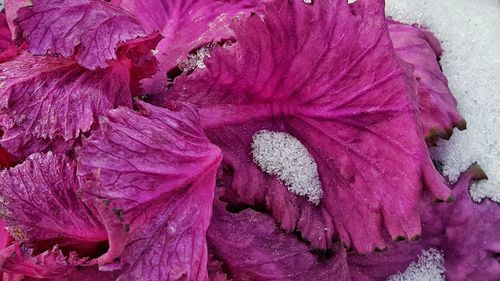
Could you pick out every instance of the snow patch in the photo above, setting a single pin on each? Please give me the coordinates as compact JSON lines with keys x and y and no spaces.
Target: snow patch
{"x":281,"y":155}
{"x":468,"y":31}
{"x":429,"y":267}
{"x":195,"y":60}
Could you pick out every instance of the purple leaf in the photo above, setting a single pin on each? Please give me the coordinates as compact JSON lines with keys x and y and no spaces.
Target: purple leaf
{"x":344,"y":95}
{"x":466,"y":233}
{"x":186,"y":25}
{"x":41,"y":209}
{"x":153,"y":173}
{"x":437,"y":105}
{"x":253,"y":247}
{"x":48,"y":101}
{"x":91,"y":30}
{"x":40,"y":205}
{"x":20,"y":260}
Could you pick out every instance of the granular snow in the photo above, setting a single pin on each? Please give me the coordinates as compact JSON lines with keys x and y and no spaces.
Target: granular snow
{"x":282,"y":155}
{"x":429,"y":267}
{"x":469,"y":32}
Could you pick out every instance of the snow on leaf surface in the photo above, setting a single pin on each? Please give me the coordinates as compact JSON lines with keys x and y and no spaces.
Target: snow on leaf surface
{"x":47,"y":101}
{"x":282,"y":155}
{"x":437,"y":105}
{"x":253,"y":247}
{"x":344,"y":95}
{"x":154,"y":172}
{"x":429,"y":267}
{"x":41,"y":207}
{"x":186,"y":25}
{"x":90,"y":29}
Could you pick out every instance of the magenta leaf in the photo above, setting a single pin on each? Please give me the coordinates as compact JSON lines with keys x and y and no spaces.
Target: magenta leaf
{"x":40,"y":205}
{"x":437,"y":105}
{"x":87,"y":273}
{"x":465,"y":232}
{"x":253,"y":247}
{"x":5,"y":35}
{"x":42,"y":211}
{"x":18,"y":259}
{"x":472,"y":242}
{"x":48,"y":101}
{"x":153,"y":173}
{"x":8,"y":50}
{"x":186,"y":25}
{"x":344,"y":95}
{"x":91,"y":30}
{"x":11,"y":9}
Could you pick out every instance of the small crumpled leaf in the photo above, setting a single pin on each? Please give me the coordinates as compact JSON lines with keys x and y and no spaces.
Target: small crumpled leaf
{"x":84,"y":273}
{"x":47,"y":102}
{"x":21,"y":260}
{"x":253,"y":247}
{"x":91,"y":30}
{"x":186,"y":26}
{"x":153,"y":174}
{"x":438,"y":107}
{"x":344,"y":95}
{"x":41,"y":207}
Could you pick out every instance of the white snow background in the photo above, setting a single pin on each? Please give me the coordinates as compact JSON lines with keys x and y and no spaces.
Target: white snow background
{"x":469,"y":31}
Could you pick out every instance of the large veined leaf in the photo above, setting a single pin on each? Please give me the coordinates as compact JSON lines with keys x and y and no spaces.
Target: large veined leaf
{"x":153,"y":174}
{"x":345,"y":95}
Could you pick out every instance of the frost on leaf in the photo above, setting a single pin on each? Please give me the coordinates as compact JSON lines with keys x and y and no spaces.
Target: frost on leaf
{"x":282,"y":155}
{"x":186,"y":25}
{"x":47,"y":102}
{"x":152,"y":173}
{"x":91,"y":30}
{"x":344,"y":95}
{"x":429,"y":267}
{"x":437,"y":105}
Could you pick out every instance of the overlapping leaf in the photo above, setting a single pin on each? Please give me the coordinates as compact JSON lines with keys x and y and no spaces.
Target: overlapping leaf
{"x":42,"y":211}
{"x":91,"y":30}
{"x":345,"y":95}
{"x":154,"y":173}
{"x":48,"y":102}
{"x":186,"y":26}
{"x":438,"y":107}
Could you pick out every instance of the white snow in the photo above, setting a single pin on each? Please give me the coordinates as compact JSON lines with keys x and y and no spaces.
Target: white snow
{"x":469,"y":32}
{"x":195,"y":60}
{"x":281,"y":155}
{"x":429,"y":267}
